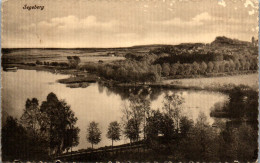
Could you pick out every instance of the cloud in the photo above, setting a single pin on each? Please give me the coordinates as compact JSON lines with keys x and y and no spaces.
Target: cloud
{"x":222,"y":3}
{"x":253,"y":4}
{"x":71,"y":22}
{"x":94,"y":25}
{"x":250,"y":3}
{"x":251,"y":12}
{"x":198,"y":20}
{"x":180,"y":22}
{"x":201,"y":17}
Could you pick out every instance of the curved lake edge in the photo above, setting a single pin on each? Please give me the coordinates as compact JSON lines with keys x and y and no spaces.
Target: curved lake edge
{"x":80,"y":98}
{"x":82,"y":79}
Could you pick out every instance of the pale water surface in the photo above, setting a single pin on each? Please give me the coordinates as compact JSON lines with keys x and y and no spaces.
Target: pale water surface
{"x":91,"y":103}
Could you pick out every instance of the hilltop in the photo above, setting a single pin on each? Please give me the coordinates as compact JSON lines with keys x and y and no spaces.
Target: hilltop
{"x":225,"y":41}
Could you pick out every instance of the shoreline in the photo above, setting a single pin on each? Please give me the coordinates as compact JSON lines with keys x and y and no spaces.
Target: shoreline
{"x":82,"y":79}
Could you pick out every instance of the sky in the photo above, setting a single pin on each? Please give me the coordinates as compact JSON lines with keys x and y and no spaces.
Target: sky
{"x":122,"y":23}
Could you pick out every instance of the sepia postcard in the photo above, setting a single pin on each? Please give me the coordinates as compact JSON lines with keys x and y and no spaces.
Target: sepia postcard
{"x":129,"y":81}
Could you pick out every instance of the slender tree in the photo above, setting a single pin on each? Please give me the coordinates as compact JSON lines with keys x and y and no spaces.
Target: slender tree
{"x":195,"y":68}
{"x":216,"y":67}
{"x":232,"y":66}
{"x":166,"y":69}
{"x":237,"y":65}
{"x":174,"y":69}
{"x":93,"y":133}
{"x":71,"y":138}
{"x":227,"y":67}
{"x":113,"y":132}
{"x":210,"y":67}
{"x":203,"y":67}
{"x":132,"y":129}
{"x":30,"y":118}
{"x":172,"y":105}
{"x":247,"y":66}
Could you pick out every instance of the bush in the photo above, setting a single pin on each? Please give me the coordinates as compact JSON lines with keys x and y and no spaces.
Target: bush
{"x":46,"y":63}
{"x":31,"y":64}
{"x":63,"y":64}
{"x":54,"y":63}
{"x":38,"y":62}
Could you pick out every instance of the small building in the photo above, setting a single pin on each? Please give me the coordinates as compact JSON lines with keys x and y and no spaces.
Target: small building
{"x":254,"y":42}
{"x":111,"y":54}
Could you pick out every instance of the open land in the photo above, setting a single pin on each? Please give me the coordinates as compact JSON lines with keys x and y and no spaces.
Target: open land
{"x":246,"y":79}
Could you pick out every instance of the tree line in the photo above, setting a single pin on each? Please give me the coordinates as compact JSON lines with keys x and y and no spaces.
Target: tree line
{"x":125,"y":71}
{"x":186,"y":69}
{"x":223,"y":55}
{"x":170,"y":62}
{"x":73,"y":62}
{"x":146,"y":70}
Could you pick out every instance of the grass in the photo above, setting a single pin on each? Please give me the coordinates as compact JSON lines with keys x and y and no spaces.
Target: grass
{"x":58,"y":55}
{"x":78,"y":79}
{"x":78,"y":85}
{"x":250,"y":80}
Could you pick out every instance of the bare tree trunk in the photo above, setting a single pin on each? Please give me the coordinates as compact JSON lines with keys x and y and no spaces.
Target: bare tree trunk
{"x":71,"y":153}
{"x":112,"y":149}
{"x":144,"y":123}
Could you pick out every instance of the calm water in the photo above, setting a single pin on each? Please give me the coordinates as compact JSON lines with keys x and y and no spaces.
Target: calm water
{"x":91,"y":103}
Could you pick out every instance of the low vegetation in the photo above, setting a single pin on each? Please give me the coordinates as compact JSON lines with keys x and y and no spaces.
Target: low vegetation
{"x":216,"y":82}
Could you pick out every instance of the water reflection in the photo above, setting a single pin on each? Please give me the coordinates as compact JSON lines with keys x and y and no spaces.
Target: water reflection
{"x":96,"y":102}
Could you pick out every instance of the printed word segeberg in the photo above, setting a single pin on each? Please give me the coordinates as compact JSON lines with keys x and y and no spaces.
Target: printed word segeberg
{"x":35,"y":7}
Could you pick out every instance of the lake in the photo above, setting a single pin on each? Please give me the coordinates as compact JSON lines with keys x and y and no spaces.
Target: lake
{"x":95,"y":102}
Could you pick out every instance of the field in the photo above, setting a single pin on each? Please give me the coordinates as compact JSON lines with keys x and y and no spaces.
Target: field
{"x":28,"y":55}
{"x":106,"y":55}
{"x":58,"y":55}
{"x":247,"y":79}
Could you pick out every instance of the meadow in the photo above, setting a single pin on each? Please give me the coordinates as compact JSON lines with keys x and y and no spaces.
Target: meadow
{"x":57,"y":55}
{"x":250,"y":80}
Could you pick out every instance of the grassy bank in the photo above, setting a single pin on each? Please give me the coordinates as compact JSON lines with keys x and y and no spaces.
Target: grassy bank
{"x":77,"y":78}
{"x":80,"y":78}
{"x":79,"y":81}
{"x":250,"y":80}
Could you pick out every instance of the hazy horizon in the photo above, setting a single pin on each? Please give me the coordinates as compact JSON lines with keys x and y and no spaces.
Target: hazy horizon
{"x":113,"y":24}
{"x":114,"y":47}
